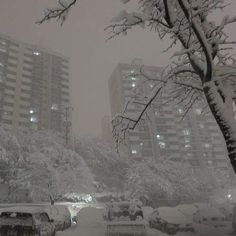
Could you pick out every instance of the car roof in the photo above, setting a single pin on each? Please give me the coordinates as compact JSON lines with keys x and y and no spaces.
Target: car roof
{"x":29,"y":210}
{"x":172,"y":215}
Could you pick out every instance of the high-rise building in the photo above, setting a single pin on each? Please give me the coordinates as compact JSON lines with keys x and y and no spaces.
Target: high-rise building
{"x":34,"y":86}
{"x":123,"y":85}
{"x":196,"y":138}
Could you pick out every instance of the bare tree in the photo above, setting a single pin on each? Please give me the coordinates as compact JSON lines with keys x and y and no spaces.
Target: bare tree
{"x":204,"y":69}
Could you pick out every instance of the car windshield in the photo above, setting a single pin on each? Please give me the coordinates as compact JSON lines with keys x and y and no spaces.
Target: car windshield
{"x":16,"y":215}
{"x":16,"y":232}
{"x":16,"y":218}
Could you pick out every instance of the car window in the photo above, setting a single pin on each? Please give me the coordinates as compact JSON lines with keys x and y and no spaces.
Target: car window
{"x":44,"y":217}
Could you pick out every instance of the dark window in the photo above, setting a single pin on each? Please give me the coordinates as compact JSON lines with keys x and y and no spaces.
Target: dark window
{"x":25,"y":91}
{"x":8,"y":104}
{"x":24,"y":115}
{"x":27,"y":69}
{"x":9,"y":87}
{"x":11,"y":80}
{"x":6,"y":121}
{"x":11,"y":72}
{"x":25,"y":99}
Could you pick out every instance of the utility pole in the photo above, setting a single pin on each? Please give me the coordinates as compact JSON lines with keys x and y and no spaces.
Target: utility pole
{"x":67,"y":122}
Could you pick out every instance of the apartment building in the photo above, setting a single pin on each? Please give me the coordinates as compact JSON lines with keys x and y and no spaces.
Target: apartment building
{"x":196,"y":138}
{"x":34,"y":86}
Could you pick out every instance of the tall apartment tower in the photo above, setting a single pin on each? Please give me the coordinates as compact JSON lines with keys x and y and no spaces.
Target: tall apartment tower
{"x":34,"y":86}
{"x":195,"y":139}
{"x":122,"y":86}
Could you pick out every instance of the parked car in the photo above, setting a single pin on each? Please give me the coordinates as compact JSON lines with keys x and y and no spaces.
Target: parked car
{"x":61,"y":216}
{"x":125,"y":210}
{"x":210,"y":216}
{"x":227,"y":210}
{"x":126,"y":228}
{"x":25,"y":221}
{"x":188,"y":210}
{"x":169,"y":220}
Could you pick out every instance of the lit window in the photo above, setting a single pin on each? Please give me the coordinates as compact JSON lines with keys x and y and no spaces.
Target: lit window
{"x":207,"y":145}
{"x":132,"y":71}
{"x":141,"y":144}
{"x":186,"y":132}
{"x":36,"y":53}
{"x":133,"y":85}
{"x":134,"y":151}
{"x":33,"y":119}
{"x":180,"y":110}
{"x":54,"y":107}
{"x":186,"y":140}
{"x":159,"y":136}
{"x":31,"y":111}
{"x":1,"y":64}
{"x":162,"y":144}
{"x":151,"y":85}
{"x":187,"y":145}
{"x":133,"y":78}
{"x":3,"y":43}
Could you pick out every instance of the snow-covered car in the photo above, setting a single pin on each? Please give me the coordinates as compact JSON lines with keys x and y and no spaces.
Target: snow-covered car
{"x":126,"y":228}
{"x":169,"y":220}
{"x":125,"y":218}
{"x":188,"y":210}
{"x":125,"y":210}
{"x":25,"y":221}
{"x":227,"y":210}
{"x":209,"y":216}
{"x":61,"y":216}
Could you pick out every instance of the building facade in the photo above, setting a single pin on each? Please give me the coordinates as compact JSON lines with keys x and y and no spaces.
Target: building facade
{"x":34,"y":86}
{"x":196,"y":138}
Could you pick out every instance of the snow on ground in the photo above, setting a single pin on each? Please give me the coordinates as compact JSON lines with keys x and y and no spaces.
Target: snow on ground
{"x":90,"y":223}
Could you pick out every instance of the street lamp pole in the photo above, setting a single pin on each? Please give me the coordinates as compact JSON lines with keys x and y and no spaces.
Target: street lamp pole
{"x":67,"y":123}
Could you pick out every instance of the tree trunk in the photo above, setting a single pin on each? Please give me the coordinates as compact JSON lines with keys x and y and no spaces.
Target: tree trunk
{"x":221,"y":106}
{"x":52,"y":201}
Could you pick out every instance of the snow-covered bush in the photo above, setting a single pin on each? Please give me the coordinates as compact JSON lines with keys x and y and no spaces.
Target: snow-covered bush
{"x":41,"y":166}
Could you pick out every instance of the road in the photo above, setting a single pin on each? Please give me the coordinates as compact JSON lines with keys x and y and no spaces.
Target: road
{"x":90,"y":223}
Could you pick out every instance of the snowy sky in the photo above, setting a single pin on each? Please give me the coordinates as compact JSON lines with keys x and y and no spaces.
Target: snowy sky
{"x":82,"y":38}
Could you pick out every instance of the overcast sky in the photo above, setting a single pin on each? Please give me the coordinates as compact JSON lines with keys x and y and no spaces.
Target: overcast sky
{"x":82,"y":39}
